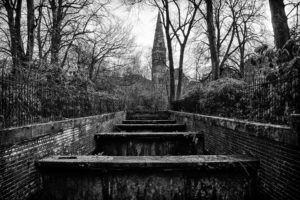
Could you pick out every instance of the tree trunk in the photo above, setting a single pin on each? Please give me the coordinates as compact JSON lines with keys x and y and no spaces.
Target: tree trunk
{"x":212,"y":40}
{"x":279,"y":22}
{"x":242,"y":64}
{"x":170,"y":55}
{"x":171,"y":70}
{"x":30,"y":30}
{"x":56,"y":9}
{"x":91,"y":69}
{"x":180,"y":73}
{"x":38,"y":34}
{"x":14,"y":23}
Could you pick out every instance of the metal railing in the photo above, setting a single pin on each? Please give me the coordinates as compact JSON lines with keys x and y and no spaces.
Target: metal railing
{"x":25,"y":103}
{"x":266,"y":101}
{"x":273,"y":101}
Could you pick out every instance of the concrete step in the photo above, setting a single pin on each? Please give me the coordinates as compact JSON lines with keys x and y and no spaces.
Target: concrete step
{"x":149,"y":143}
{"x":148,"y":116}
{"x":149,"y":122}
{"x":150,"y":127}
{"x":149,"y":177}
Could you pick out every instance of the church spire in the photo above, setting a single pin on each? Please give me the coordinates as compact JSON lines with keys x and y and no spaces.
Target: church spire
{"x":158,"y":53}
{"x":159,"y":34}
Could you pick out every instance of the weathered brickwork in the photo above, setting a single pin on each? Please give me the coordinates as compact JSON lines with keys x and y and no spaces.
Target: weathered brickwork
{"x":21,"y":147}
{"x":275,"y":146}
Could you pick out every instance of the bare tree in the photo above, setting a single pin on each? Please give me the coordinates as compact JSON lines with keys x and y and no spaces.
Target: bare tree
{"x":212,"y":40}
{"x":246,"y":16}
{"x":181,"y":31}
{"x":293,"y":15}
{"x":68,"y":20}
{"x":52,"y":27}
{"x":279,"y":22}
{"x":111,"y":42}
{"x":12,"y":16}
{"x":230,"y":28}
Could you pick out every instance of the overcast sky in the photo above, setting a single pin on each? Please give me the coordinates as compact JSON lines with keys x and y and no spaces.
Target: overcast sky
{"x":143,"y":21}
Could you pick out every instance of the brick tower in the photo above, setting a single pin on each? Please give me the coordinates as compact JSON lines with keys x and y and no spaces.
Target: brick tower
{"x":158,"y":54}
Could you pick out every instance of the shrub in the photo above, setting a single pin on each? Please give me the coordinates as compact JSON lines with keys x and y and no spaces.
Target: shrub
{"x":223,"y":97}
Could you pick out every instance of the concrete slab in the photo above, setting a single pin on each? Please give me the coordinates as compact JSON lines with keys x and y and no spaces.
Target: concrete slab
{"x":149,"y":122}
{"x":145,"y":178}
{"x":149,"y":143}
{"x":108,"y":163}
{"x":150,"y":127}
{"x":148,"y":116}
{"x":146,"y":134}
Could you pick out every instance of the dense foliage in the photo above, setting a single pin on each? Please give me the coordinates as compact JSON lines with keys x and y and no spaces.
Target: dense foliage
{"x":272,"y":100}
{"x":50,"y":99}
{"x":223,"y":97}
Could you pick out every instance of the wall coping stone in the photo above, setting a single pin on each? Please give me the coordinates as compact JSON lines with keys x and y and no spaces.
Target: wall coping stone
{"x":279,"y":133}
{"x":15,"y":135}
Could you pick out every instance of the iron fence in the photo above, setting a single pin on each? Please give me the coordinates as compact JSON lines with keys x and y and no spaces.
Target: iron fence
{"x":266,"y":101}
{"x":274,"y":100}
{"x":25,"y":103}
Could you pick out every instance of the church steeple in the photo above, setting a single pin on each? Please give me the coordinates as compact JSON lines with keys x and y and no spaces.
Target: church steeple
{"x":159,"y":34}
{"x":158,"y":53}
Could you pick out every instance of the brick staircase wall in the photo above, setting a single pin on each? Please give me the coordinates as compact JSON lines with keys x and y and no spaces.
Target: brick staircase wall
{"x":21,"y":147}
{"x":275,"y":146}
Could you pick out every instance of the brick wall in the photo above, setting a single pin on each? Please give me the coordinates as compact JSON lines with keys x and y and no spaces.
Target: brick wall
{"x":21,"y":147}
{"x":277,"y":148}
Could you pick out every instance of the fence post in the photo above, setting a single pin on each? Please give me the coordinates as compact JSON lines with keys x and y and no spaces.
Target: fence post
{"x":295,"y":123}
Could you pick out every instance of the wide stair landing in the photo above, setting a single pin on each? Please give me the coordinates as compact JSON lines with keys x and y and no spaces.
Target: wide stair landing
{"x":149,"y":156}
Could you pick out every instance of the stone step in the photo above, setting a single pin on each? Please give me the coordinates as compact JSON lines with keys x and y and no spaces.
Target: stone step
{"x":148,"y":116}
{"x":149,"y":177}
{"x":149,"y":122}
{"x":149,"y":143}
{"x":150,"y":127}
{"x":198,"y":162}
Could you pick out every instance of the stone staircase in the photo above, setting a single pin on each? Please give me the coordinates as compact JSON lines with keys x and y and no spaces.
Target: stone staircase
{"x":149,"y":135}
{"x":149,"y":156}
